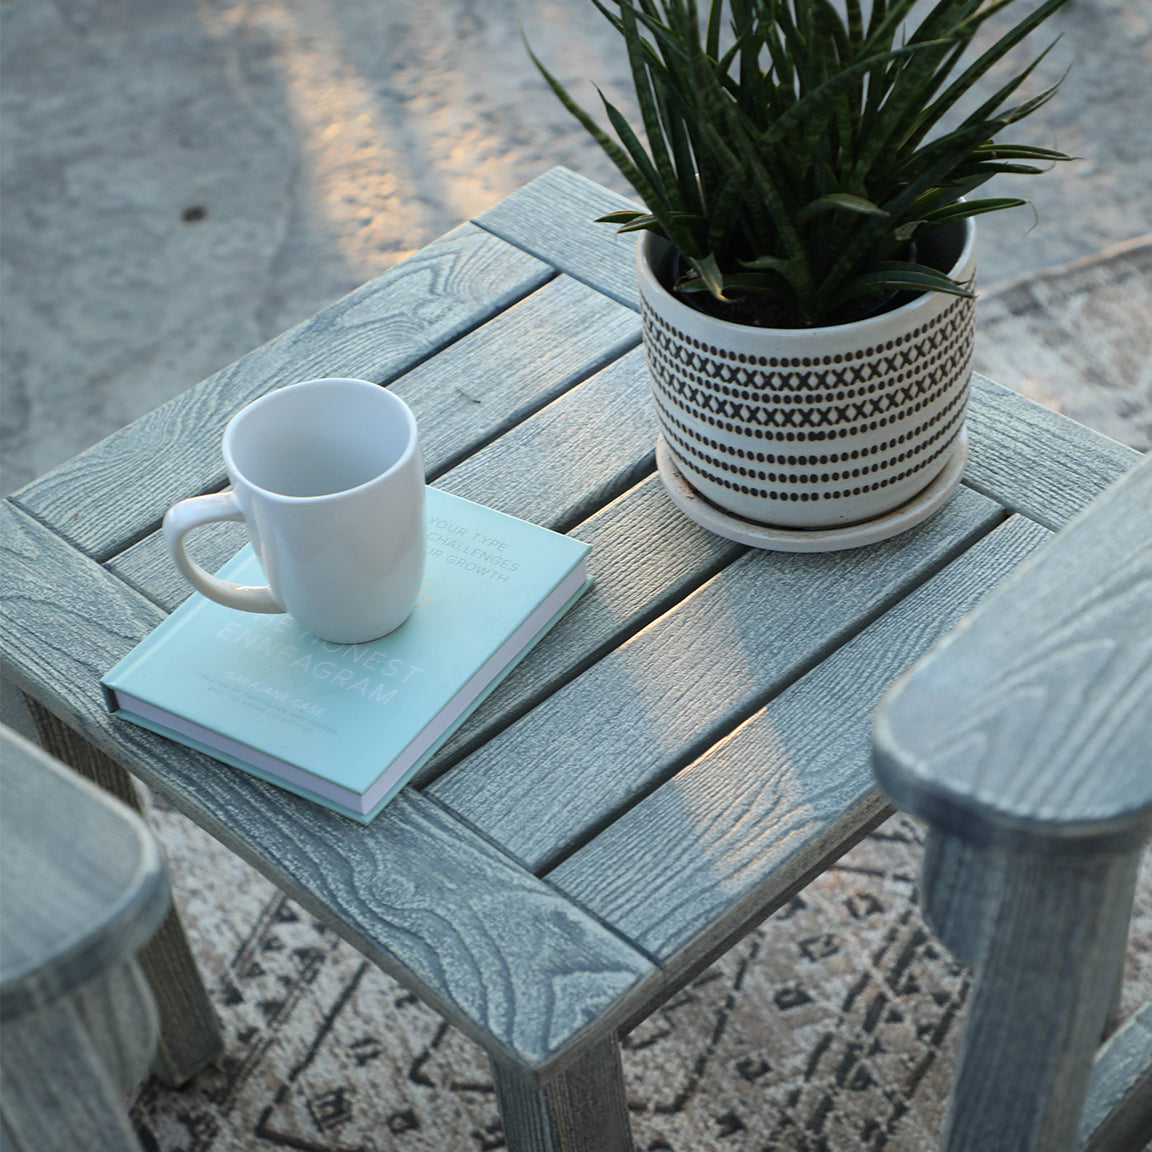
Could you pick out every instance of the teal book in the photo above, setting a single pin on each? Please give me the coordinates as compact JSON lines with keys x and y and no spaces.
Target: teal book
{"x":347,"y":725}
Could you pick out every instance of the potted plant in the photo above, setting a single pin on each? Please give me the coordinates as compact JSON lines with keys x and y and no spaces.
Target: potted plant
{"x":807,"y":262}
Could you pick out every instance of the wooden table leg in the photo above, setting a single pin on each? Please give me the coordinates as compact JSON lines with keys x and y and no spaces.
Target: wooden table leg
{"x":584,"y":1109}
{"x":189,"y":1032}
{"x":1046,"y":961}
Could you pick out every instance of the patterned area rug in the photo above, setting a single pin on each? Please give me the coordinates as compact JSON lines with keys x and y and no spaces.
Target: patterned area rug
{"x":1078,"y":338}
{"x":830,"y":1028}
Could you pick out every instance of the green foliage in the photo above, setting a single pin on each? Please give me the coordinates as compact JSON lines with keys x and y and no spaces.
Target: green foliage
{"x":793,"y":150}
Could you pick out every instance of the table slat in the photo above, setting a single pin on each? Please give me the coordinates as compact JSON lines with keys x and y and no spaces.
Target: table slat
{"x":1034,"y":460}
{"x":725,"y":840}
{"x":463,"y":398}
{"x":557,"y":468}
{"x":646,"y":556}
{"x":500,"y":373}
{"x":657,"y":702}
{"x":109,"y":496}
{"x":554,"y":218}
{"x":414,"y":891}
{"x":573,"y":457}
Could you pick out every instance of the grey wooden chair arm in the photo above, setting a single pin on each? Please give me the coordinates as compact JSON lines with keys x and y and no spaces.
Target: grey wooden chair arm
{"x":1024,"y":740}
{"x":82,"y":889}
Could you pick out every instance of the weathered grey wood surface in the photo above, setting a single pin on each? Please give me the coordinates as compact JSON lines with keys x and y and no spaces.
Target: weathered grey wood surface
{"x":189,"y":1035}
{"x":375,"y":333}
{"x":1025,"y":739}
{"x":57,"y":1095}
{"x":490,"y":380}
{"x":1118,"y":1112}
{"x":583,"y":1110}
{"x":554,"y":216}
{"x":1041,"y":994}
{"x":684,"y":682}
{"x":414,"y":891}
{"x":1033,"y":722}
{"x":690,"y":664}
{"x":463,"y":399}
{"x":81,"y":881}
{"x":1034,"y":460}
{"x":722,"y":841}
{"x":678,"y":557}
{"x":83,"y":887}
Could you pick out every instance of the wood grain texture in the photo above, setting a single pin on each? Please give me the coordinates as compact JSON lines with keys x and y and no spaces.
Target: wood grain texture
{"x":1117,"y":1115}
{"x":646,"y":556}
{"x":1034,"y":460}
{"x":653,"y":705}
{"x":148,"y":566}
{"x":474,"y":390}
{"x":573,"y":457}
{"x":1040,"y":998}
{"x":81,"y":880}
{"x":503,"y":371}
{"x":56,"y":1095}
{"x":189,"y":1031}
{"x":557,"y":468}
{"x":722,"y":842}
{"x":959,"y":886}
{"x":1032,"y":722}
{"x":109,"y":496}
{"x":498,"y":953}
{"x":583,"y":1110}
{"x":119,"y":1013}
{"x":553,"y":217}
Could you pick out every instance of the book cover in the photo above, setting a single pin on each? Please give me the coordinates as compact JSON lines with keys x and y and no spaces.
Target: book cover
{"x":347,"y":725}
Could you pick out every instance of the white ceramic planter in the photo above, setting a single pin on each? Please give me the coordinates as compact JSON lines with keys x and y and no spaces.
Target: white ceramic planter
{"x":816,"y":428}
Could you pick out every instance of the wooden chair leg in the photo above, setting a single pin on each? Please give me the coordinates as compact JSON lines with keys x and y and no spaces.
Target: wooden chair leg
{"x":58,"y":1096}
{"x":189,"y":1032}
{"x":1046,"y":965}
{"x":584,"y":1109}
{"x":1118,"y":1114}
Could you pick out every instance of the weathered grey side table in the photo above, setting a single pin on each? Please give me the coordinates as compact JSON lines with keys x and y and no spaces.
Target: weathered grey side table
{"x":685,"y":751}
{"x":82,"y":889}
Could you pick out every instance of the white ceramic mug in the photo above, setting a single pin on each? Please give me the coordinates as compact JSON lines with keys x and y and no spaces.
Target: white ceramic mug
{"x":328,"y":479}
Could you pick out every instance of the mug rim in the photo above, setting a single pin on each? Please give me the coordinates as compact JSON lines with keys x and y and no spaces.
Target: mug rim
{"x":410,"y":448}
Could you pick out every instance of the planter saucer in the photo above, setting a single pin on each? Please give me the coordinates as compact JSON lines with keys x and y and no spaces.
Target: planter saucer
{"x":733,"y":527}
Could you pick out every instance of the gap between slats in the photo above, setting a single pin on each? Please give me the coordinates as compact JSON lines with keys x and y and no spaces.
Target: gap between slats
{"x":594,"y":366}
{"x":694,"y":750}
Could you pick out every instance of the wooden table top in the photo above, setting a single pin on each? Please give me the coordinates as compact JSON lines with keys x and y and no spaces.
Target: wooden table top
{"x":684,"y":750}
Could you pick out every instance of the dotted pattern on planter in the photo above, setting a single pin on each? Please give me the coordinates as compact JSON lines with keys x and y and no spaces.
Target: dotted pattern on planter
{"x":729,"y":414}
{"x":743,"y":479}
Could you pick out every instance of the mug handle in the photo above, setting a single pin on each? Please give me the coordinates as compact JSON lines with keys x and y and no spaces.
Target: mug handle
{"x":192,"y":513}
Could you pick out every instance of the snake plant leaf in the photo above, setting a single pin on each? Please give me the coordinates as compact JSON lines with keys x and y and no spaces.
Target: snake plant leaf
{"x":646,"y":223}
{"x":968,"y":208}
{"x":740,"y":284}
{"x":840,"y":201}
{"x":613,"y":150}
{"x":636,"y":153}
{"x":894,"y":276}
{"x":624,"y":216}
{"x":1018,"y":152}
{"x":794,"y":274}
{"x":814,"y":136}
{"x":709,"y":271}
{"x":649,"y":112}
{"x":993,"y":55}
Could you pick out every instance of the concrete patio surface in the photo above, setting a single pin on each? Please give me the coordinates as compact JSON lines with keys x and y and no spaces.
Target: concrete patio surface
{"x":184,"y":179}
